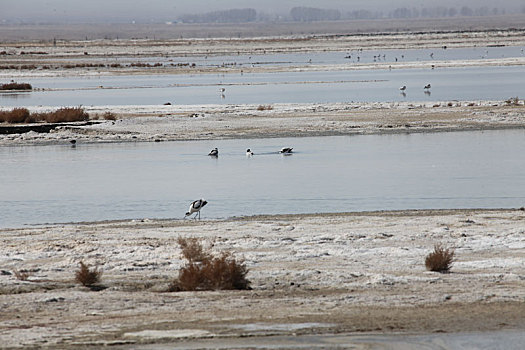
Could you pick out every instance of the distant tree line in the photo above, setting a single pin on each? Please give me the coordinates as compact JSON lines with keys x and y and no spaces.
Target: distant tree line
{"x":226,"y":16}
{"x":311,"y":14}
{"x":404,"y":12}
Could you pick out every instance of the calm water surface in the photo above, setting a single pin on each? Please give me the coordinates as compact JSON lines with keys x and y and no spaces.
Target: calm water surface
{"x":326,"y":174}
{"x":466,"y":83}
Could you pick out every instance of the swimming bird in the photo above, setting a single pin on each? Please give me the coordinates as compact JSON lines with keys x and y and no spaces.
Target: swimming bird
{"x":249,"y":152}
{"x":403,"y":88}
{"x":195,"y":207}
{"x":286,"y":150}
{"x":73,"y":142}
{"x":214,"y":152}
{"x":427,"y":87}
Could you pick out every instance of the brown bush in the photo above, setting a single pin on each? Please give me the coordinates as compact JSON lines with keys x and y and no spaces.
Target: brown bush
{"x":66,"y":114}
{"x":206,"y":272}
{"x":193,"y":251}
{"x":514,"y":101}
{"x":109,"y":116}
{"x":22,"y":275}
{"x":87,"y":277}
{"x":16,"y":86}
{"x":264,"y":108}
{"x":440,"y":260}
{"x":17,"y":115}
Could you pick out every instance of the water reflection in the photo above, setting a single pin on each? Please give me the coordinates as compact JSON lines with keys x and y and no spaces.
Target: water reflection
{"x":14,"y":95}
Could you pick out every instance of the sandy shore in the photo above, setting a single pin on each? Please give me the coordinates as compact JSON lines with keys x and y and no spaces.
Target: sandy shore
{"x":180,"y":123}
{"x":310,"y":274}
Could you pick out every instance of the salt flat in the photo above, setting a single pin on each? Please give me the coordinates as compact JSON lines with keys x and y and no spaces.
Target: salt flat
{"x":354,"y":272}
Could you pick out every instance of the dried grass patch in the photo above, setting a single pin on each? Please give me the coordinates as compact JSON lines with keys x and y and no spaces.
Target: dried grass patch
{"x":62,"y":115}
{"x":265,"y":108}
{"x":16,"y":86}
{"x":204,"y":271}
{"x":440,"y":260}
{"x":86,"y":276}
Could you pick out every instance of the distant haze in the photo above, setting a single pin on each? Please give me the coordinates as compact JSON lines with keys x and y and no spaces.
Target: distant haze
{"x":157,"y":11}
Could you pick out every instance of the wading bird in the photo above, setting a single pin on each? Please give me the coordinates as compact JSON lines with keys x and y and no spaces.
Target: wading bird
{"x":286,"y":150}
{"x":249,"y":152}
{"x":195,"y":207}
{"x":403,"y":88}
{"x":214,"y":152}
{"x":427,"y":87}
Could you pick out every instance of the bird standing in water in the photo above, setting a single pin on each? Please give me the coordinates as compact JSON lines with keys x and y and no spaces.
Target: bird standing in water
{"x":214,"y":152}
{"x":195,"y":207}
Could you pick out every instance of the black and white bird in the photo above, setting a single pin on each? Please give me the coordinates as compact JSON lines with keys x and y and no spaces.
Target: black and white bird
{"x":195,"y":207}
{"x":286,"y":150}
{"x":249,"y":152}
{"x":403,"y":88}
{"x":427,"y":87}
{"x":214,"y":152}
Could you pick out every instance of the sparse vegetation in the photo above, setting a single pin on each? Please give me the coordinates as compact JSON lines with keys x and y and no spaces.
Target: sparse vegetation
{"x":22,"y":115}
{"x":514,"y":101}
{"x":16,"y":86}
{"x":109,"y":116}
{"x":87,"y":277}
{"x":17,"y":115}
{"x":22,"y":275}
{"x":204,"y":271}
{"x":440,"y":260}
{"x":264,"y":108}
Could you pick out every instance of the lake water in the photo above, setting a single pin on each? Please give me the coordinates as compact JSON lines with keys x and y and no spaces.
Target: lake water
{"x":466,"y":84}
{"x":47,"y":184}
{"x":316,"y":58}
{"x":492,"y":340}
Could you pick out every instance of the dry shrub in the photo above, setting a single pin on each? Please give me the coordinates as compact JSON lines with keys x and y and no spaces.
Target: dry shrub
{"x":22,"y":275}
{"x":193,"y":251}
{"x":17,"y":115}
{"x":264,"y":108}
{"x":66,"y":114}
{"x":440,"y":260}
{"x":109,"y":116}
{"x":16,"y":86}
{"x":514,"y":101}
{"x":207,"y":272}
{"x":87,"y":277}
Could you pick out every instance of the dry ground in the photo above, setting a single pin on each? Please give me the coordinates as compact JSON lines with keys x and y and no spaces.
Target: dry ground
{"x":311,"y":274}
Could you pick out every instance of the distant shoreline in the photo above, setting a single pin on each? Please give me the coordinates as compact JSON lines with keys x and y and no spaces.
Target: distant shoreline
{"x":47,"y":32}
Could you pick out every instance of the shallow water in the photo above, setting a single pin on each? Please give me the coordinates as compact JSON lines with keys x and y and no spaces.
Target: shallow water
{"x":325,"y":174}
{"x":504,"y":340}
{"x":466,"y":83}
{"x":323,"y":58}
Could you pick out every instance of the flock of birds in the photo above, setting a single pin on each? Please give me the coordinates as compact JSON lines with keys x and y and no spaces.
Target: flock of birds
{"x":197,"y":205}
{"x":285,"y":150}
{"x":426,"y":88}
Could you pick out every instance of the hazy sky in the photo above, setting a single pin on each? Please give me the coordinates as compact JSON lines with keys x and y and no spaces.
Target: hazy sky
{"x":162,"y":10}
